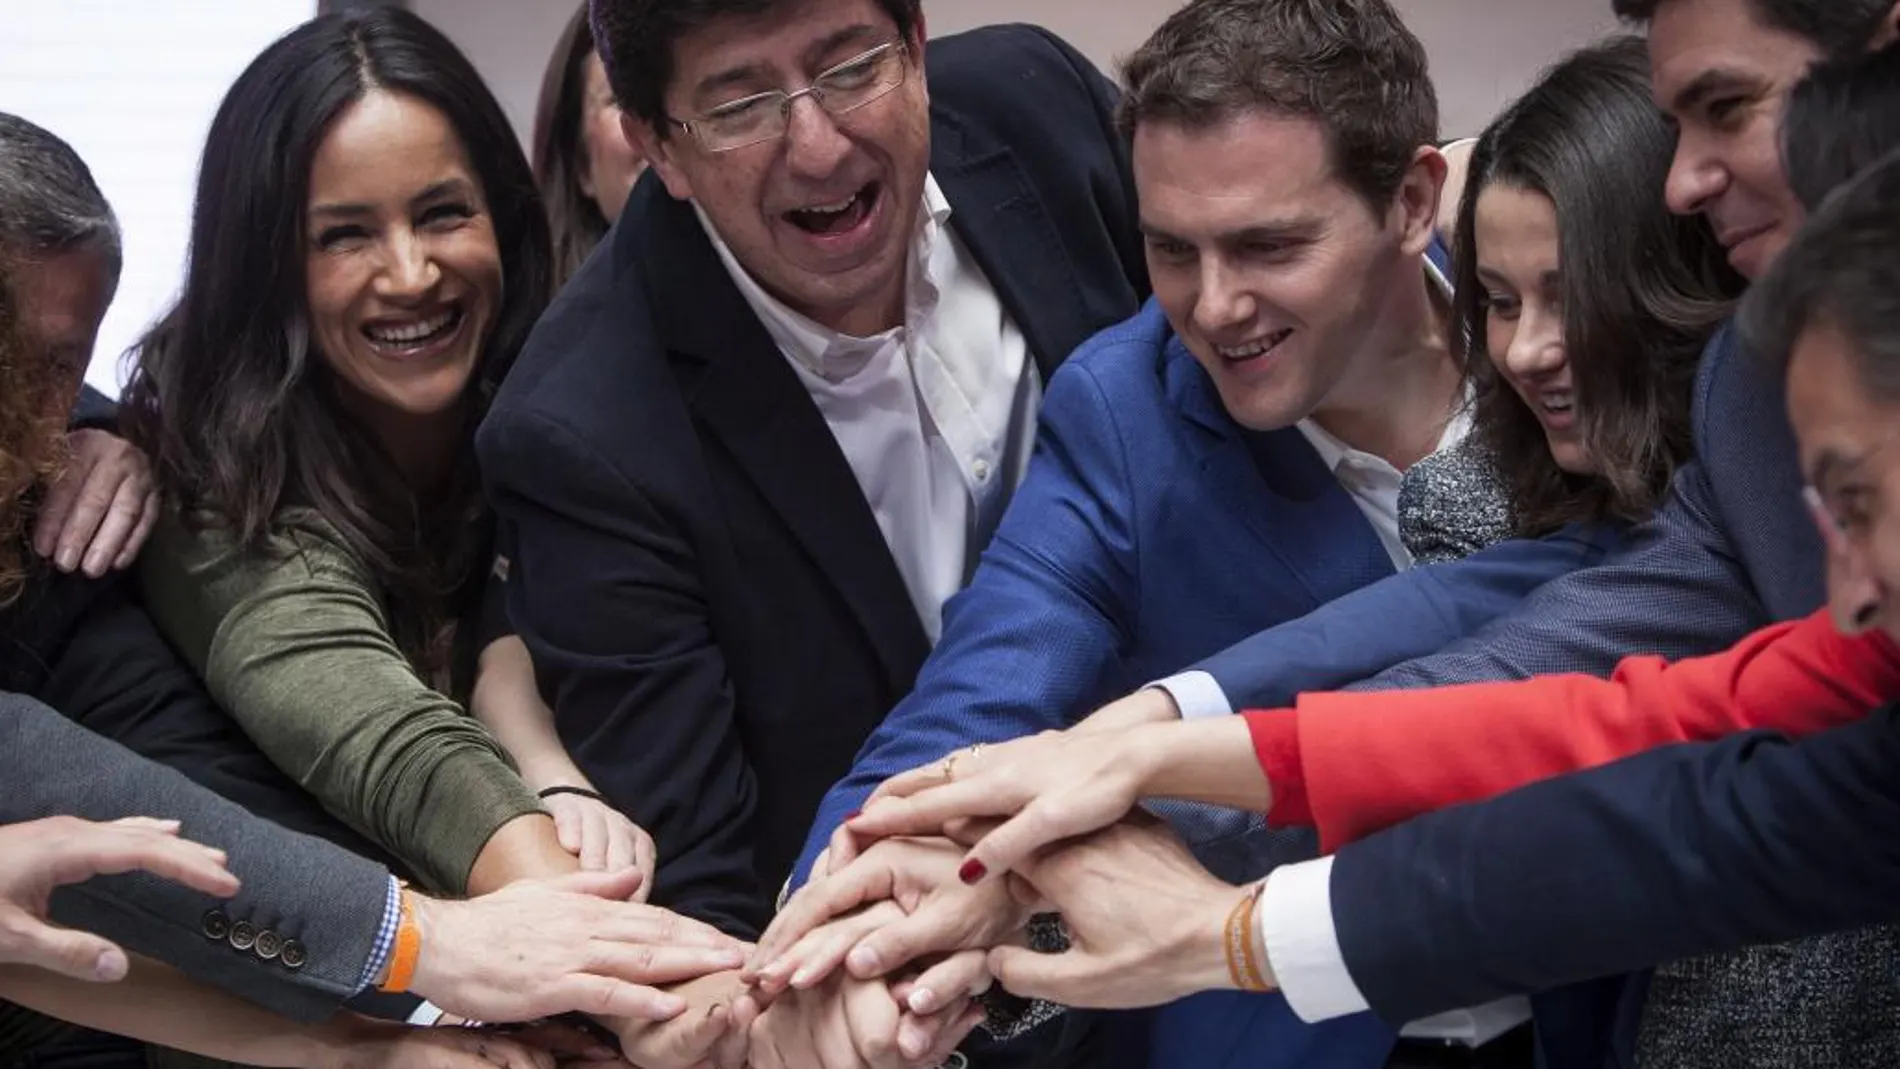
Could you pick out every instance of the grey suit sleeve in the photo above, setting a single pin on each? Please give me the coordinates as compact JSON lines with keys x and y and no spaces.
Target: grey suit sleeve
{"x":1677,"y":591}
{"x":320,"y":903}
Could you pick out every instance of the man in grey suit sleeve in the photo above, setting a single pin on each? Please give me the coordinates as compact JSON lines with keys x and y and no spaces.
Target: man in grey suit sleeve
{"x":312,"y":925}
{"x":296,"y":937}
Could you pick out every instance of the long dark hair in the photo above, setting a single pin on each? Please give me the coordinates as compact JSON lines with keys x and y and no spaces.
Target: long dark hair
{"x":559,"y":156}
{"x":1643,"y":289}
{"x":241,"y":417}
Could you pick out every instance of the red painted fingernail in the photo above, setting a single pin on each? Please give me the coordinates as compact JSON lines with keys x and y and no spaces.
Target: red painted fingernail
{"x":972,"y":871}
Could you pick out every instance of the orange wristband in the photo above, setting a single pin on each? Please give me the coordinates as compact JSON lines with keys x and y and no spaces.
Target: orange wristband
{"x":1243,"y":967}
{"x":402,"y":961}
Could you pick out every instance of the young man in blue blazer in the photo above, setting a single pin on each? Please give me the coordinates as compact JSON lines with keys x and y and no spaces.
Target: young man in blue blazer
{"x":1231,"y":457}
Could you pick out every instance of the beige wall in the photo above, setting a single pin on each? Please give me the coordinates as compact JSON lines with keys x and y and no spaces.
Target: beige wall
{"x":1483,"y":51}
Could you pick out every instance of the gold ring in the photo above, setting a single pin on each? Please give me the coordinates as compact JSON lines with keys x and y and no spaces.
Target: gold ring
{"x":950,"y":762}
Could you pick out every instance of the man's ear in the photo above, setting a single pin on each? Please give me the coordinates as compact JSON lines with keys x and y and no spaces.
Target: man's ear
{"x":660,"y":152}
{"x":915,"y":45}
{"x":1418,"y":199}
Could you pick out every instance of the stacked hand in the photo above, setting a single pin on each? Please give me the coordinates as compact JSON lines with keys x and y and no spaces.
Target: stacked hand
{"x":1047,"y":787}
{"x":541,"y":947}
{"x":910,"y":940}
{"x":602,"y":837}
{"x":1146,"y":922}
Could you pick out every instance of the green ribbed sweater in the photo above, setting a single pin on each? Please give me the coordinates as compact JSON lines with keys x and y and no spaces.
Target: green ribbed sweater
{"x":294,"y":643}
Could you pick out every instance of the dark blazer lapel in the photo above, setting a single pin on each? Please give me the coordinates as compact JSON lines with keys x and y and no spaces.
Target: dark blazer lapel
{"x":1275,"y":483}
{"x":1007,"y":230}
{"x":739,"y":383}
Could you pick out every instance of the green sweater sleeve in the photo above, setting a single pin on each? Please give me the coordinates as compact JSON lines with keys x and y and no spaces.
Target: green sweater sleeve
{"x":295,"y":645}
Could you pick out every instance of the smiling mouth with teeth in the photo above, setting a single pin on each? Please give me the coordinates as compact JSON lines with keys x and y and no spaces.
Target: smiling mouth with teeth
{"x":417,"y":334}
{"x":1557,"y":403}
{"x":835,"y":218}
{"x":1241,"y":353}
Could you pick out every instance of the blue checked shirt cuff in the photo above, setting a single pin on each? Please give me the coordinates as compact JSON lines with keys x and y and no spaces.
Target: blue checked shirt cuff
{"x":385,"y":936}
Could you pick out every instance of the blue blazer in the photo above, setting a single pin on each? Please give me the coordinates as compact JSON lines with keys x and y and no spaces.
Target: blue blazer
{"x":1151,"y":530}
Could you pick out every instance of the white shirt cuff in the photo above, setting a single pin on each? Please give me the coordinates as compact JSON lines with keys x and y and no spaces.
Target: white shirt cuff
{"x":1296,"y":927}
{"x":1196,"y":695}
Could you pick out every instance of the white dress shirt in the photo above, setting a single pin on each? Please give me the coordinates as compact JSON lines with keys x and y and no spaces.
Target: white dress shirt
{"x":935,"y":417}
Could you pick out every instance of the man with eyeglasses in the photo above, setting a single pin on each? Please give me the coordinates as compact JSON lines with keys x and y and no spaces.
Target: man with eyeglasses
{"x":768,"y":428}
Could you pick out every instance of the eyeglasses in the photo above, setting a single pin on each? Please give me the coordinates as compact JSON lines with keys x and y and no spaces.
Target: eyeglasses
{"x":1833,"y":532}
{"x":1835,"y":535}
{"x":763,"y":116}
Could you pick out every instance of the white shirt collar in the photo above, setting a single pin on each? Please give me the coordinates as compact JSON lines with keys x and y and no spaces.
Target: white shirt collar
{"x":819,"y":349}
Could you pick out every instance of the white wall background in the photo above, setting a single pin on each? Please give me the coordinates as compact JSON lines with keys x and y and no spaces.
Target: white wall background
{"x":1483,"y":52}
{"x":132,"y":85}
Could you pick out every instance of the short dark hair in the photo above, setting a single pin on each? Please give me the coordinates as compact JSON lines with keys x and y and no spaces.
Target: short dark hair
{"x":1840,"y":119}
{"x":1350,"y":65}
{"x":1841,"y":271}
{"x":49,"y":203}
{"x":636,"y":39}
{"x":559,"y":155}
{"x":1837,"y":27}
{"x":1643,"y":289}
{"x":240,"y":414}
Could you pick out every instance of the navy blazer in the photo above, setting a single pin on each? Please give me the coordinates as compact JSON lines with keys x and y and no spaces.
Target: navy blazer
{"x":1592,"y":874}
{"x":714,"y":615}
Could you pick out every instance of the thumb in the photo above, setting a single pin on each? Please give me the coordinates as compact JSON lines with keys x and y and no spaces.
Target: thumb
{"x":619,"y":886}
{"x":1028,"y":974}
{"x":80,"y":955}
{"x":567,"y":830}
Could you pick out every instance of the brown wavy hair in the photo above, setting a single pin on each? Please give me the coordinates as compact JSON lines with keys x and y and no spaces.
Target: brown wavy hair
{"x":1643,"y":289}
{"x":32,"y":438}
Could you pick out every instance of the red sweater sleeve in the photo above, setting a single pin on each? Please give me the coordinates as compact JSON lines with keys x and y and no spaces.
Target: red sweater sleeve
{"x":1371,"y":760}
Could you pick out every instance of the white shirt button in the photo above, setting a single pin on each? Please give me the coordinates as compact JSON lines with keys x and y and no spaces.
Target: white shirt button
{"x":981,"y":469}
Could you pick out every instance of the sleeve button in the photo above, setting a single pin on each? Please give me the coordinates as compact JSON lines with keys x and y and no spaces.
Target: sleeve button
{"x":243,"y":935}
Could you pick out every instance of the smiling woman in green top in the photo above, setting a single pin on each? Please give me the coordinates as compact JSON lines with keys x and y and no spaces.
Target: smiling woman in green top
{"x":368,"y":254}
